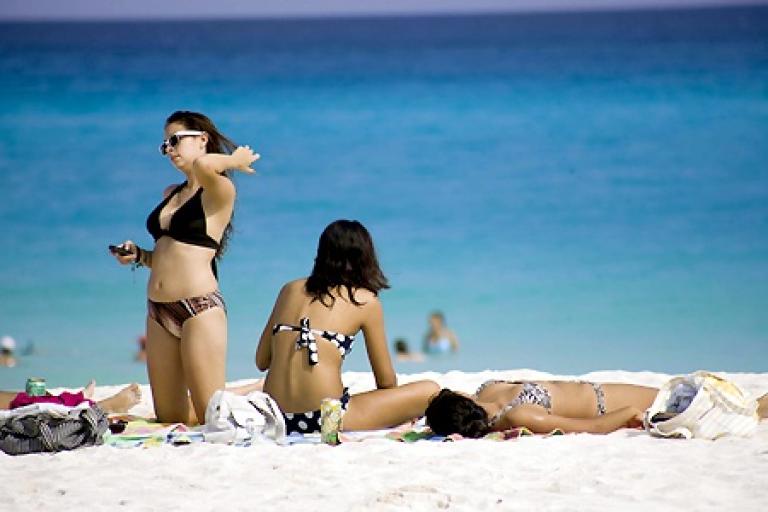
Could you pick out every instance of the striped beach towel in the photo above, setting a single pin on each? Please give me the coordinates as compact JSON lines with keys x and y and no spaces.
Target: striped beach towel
{"x":145,"y":433}
{"x":410,"y":433}
{"x":51,"y":428}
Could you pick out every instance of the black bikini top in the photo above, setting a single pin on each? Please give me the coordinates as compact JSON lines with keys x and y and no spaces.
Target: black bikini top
{"x":187,"y":224}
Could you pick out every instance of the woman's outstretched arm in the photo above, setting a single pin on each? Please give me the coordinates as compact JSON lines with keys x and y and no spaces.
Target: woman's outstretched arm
{"x":208,"y":169}
{"x":376,"y":345}
{"x":537,"y":419}
{"x":264,"y":350}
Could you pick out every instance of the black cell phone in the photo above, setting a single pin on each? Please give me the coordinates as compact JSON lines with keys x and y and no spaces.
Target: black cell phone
{"x":120,"y":251}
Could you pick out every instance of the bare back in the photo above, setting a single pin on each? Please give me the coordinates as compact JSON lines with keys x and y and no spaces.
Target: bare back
{"x":298,"y":385}
{"x":569,"y":398}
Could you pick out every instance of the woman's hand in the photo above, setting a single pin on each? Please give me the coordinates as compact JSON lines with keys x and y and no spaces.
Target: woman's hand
{"x":243,"y":157}
{"x":636,"y":418}
{"x":129,"y":258}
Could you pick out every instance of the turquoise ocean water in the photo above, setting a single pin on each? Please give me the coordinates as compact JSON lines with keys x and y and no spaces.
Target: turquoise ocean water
{"x":575,"y":191}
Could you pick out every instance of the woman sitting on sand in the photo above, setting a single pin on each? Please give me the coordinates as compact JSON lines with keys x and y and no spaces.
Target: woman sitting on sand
{"x":119,"y":402}
{"x":543,"y":406}
{"x":312,"y":328}
{"x":186,"y":313}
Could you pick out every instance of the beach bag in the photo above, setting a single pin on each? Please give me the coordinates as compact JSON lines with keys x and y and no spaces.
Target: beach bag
{"x":231,"y":418}
{"x":701,"y":405}
{"x":51,"y":428}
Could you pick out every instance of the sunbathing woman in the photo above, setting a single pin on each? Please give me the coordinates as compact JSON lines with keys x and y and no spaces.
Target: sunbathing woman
{"x":119,"y":402}
{"x":312,"y":329}
{"x":543,"y":406}
{"x":186,"y":313}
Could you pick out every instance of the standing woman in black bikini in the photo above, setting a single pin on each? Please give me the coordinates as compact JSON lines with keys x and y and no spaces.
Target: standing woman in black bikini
{"x":186,"y":314}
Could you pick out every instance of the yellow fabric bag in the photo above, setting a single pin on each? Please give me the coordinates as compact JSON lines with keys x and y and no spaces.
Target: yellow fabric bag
{"x":701,"y":405}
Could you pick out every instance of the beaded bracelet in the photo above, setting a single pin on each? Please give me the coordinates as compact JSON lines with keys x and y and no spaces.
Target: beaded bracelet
{"x":137,"y":260}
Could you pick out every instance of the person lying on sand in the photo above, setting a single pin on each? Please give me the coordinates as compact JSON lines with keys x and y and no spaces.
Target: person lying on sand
{"x":118,"y":403}
{"x":339,"y":298}
{"x":127,"y":397}
{"x":543,"y":406}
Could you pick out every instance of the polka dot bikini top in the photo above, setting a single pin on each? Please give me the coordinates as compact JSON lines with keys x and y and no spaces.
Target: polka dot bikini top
{"x":306,"y":339}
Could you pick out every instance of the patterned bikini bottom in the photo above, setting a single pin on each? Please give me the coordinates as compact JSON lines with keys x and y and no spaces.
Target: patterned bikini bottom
{"x":172,"y":315}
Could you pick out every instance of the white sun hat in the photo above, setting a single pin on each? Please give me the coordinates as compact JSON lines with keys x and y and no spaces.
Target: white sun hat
{"x":7,"y":342}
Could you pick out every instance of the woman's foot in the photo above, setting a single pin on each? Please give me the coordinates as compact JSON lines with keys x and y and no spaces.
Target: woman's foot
{"x":762,"y":406}
{"x":247,"y":388}
{"x":89,"y":389}
{"x":123,"y":400}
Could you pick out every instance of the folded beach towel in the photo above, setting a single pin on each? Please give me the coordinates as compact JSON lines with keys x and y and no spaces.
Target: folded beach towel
{"x":51,"y":428}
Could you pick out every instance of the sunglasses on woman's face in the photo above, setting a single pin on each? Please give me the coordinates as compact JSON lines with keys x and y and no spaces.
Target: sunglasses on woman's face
{"x":174,"y":139}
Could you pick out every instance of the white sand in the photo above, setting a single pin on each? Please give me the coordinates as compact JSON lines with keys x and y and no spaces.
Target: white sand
{"x":626,"y":470}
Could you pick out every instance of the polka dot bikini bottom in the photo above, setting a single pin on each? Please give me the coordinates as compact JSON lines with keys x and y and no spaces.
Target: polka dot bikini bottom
{"x":309,"y":422}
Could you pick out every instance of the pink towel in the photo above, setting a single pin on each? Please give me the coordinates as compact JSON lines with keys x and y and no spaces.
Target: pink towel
{"x":68,"y":399}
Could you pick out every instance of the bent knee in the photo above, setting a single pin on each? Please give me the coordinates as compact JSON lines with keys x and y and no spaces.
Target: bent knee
{"x":172,"y":416}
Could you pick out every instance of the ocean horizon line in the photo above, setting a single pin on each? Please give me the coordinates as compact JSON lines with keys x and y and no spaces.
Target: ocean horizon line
{"x":340,"y":16}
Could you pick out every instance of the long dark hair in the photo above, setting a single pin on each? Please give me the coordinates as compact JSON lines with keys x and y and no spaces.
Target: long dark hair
{"x":452,"y":413}
{"x":217,"y":143}
{"x":345,"y":257}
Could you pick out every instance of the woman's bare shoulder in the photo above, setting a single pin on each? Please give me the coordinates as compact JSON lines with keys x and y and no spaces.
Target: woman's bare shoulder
{"x":292,"y":289}
{"x":366,"y":297}
{"x":169,"y":189}
{"x":296,"y":284}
